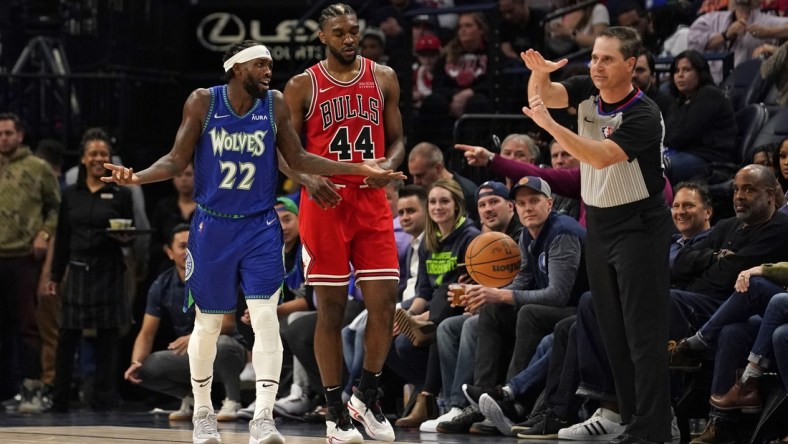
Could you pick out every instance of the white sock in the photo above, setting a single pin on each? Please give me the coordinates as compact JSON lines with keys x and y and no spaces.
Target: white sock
{"x":202,"y":352}
{"x":267,"y":351}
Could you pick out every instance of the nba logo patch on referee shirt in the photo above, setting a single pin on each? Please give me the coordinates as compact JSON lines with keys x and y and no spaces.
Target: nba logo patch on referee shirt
{"x":607,"y":131}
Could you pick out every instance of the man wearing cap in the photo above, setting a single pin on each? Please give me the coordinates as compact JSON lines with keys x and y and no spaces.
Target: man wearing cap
{"x":551,"y":279}
{"x":496,"y":210}
{"x":373,"y":45}
{"x":233,"y":134}
{"x":427,"y":50}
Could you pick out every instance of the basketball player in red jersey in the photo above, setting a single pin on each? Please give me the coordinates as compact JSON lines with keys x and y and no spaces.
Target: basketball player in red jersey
{"x":347,"y":106}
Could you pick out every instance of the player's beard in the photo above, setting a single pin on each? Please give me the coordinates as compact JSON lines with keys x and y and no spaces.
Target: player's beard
{"x":340,"y":56}
{"x":252,"y":87}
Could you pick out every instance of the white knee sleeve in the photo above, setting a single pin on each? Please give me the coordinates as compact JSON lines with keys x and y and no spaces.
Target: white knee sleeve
{"x":202,"y":352}
{"x":267,"y":350}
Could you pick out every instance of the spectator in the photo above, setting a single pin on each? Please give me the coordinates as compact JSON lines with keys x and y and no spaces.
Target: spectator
{"x":426,"y":165}
{"x":632,"y":14}
{"x":29,"y":199}
{"x":740,"y":31}
{"x":763,"y":155}
{"x":645,"y":78}
{"x":52,"y":152}
{"x":576,"y":30}
{"x":94,"y":295}
{"x":698,"y":104}
{"x":170,"y":212}
{"x":520,"y":28}
{"x":427,"y":49}
{"x":456,"y":335}
{"x":167,"y":371}
{"x":780,"y":164}
{"x":373,"y":45}
{"x":551,"y":278}
{"x":446,"y":236}
{"x":520,"y":147}
{"x":461,"y":83}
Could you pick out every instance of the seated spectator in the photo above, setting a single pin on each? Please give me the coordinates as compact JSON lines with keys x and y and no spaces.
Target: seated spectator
{"x":698,"y":104}
{"x":373,"y":45}
{"x":576,"y":30}
{"x":632,"y":14}
{"x":645,"y":78}
{"x":551,"y":278}
{"x":169,"y":212}
{"x":461,"y":83}
{"x":763,"y":155}
{"x":780,"y":164}
{"x":426,"y":165}
{"x":446,"y":237}
{"x":427,"y":49}
{"x":520,"y":28}
{"x":520,"y":147}
{"x":167,"y":371}
{"x":735,"y":31}
{"x":456,"y":335}
{"x":759,"y":291}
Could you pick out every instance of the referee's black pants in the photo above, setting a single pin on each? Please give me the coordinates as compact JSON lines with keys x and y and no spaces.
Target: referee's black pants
{"x":627,"y":261}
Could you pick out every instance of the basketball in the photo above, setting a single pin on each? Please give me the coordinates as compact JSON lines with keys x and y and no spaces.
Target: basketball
{"x":493,"y":259}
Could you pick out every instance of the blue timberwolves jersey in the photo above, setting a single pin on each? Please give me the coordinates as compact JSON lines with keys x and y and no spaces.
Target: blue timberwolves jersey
{"x":235,"y":163}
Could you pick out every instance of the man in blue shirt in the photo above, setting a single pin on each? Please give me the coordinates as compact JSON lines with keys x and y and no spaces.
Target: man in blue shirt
{"x":167,"y":371}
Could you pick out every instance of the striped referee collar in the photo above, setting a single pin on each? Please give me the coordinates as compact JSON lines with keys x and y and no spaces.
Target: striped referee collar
{"x":623,"y":106}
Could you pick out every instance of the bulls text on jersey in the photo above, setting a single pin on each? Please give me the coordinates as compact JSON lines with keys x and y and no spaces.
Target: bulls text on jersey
{"x":337,"y":109}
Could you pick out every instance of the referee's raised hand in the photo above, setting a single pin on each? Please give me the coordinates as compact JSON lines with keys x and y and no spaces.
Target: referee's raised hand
{"x":535,"y":62}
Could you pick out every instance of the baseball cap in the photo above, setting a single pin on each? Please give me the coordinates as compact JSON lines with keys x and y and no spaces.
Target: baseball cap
{"x":427,"y":42}
{"x":377,"y":33}
{"x":493,"y":188}
{"x":533,"y":183}
{"x":424,"y":19}
{"x":288,"y":205}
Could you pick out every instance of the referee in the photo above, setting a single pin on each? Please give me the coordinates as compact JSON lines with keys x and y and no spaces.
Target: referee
{"x":629,"y":225}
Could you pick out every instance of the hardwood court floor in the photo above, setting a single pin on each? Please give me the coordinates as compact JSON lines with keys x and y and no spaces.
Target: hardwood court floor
{"x":145,"y":427}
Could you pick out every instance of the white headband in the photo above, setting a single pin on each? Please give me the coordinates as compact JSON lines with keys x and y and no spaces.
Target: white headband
{"x":251,"y":53}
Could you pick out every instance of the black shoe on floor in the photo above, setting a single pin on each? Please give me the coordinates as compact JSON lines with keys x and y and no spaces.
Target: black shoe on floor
{"x":547,"y":428}
{"x":463,"y":422}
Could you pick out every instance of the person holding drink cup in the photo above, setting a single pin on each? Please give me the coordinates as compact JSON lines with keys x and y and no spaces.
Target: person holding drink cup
{"x":447,"y":234}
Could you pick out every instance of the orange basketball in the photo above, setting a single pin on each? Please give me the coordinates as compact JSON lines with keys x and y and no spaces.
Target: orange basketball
{"x":493,"y":259}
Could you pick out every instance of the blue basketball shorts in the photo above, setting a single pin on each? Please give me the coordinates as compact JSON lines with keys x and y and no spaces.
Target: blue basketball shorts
{"x":225,"y":252}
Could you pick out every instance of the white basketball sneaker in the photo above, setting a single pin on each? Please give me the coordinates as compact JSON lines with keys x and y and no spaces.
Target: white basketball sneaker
{"x":365,"y":408}
{"x":205,"y":427}
{"x":263,"y":430}
{"x":340,"y":428}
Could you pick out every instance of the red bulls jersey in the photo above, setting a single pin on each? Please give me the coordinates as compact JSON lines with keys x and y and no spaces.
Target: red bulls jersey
{"x":345,"y":119}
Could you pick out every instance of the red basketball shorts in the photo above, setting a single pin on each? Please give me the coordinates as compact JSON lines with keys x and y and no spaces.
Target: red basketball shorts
{"x":358,"y":231}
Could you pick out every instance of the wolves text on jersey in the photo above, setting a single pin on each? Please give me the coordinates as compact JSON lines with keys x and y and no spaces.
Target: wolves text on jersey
{"x":242,"y":142}
{"x":339,"y":108}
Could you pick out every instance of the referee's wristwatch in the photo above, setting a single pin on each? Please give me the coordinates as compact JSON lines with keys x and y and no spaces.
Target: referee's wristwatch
{"x":44,"y":235}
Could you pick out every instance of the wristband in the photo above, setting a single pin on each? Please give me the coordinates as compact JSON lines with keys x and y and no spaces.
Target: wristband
{"x":490,"y":157}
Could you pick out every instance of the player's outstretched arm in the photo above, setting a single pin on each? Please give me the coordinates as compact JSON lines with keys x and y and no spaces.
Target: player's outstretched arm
{"x":392,"y":123}
{"x":182,"y":151}
{"x":297,"y":158}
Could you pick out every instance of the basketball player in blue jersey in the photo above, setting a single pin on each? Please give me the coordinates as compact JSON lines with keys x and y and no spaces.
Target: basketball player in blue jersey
{"x":232,"y":133}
